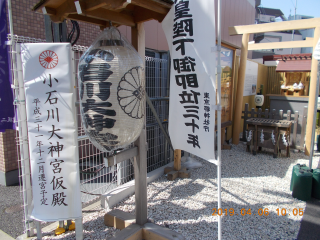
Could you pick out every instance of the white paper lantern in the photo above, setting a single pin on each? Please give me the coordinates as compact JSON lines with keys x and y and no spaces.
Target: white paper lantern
{"x":112,"y":91}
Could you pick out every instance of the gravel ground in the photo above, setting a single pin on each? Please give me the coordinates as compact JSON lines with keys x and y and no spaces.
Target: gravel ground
{"x":185,"y":205}
{"x":11,"y":211}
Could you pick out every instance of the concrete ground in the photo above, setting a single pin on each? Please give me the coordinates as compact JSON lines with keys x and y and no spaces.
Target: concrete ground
{"x":4,"y":236}
{"x":310,"y":224}
{"x":11,"y":211}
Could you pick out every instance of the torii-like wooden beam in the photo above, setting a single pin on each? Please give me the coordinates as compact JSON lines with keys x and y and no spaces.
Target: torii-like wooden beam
{"x":275,"y":45}
{"x":274,"y":27}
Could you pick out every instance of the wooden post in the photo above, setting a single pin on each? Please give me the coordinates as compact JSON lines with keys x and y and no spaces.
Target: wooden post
{"x":259,"y":112}
{"x":303,"y":126}
{"x":289,"y":115}
{"x":281,"y":114}
{"x":240,"y":87}
{"x":140,"y":162}
{"x":138,"y":39}
{"x":252,"y":113}
{"x":295,"y":127}
{"x":140,"y":175}
{"x":312,"y":94}
{"x":245,"y":117}
{"x":177,"y":159}
{"x":255,"y":140}
{"x":276,"y":146}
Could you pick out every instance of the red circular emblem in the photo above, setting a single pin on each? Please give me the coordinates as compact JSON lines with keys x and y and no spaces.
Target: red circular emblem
{"x":48,"y":59}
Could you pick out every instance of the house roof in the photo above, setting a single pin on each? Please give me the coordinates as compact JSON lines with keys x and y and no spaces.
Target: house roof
{"x":285,"y":57}
{"x":101,"y":12}
{"x":294,"y":66}
{"x":269,"y":11}
{"x":291,"y":62}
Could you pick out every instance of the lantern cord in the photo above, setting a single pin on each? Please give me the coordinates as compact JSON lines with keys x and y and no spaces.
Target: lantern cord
{"x":93,"y":172}
{"x":75,"y":27}
{"x":110,"y":25}
{"x":155,"y":114}
{"x":95,"y":194}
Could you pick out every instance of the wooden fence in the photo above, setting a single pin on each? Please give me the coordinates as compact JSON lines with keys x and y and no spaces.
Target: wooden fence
{"x":294,"y":118}
{"x":273,"y":84}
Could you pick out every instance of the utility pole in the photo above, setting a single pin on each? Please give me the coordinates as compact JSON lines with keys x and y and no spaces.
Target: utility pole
{"x":295,"y":12}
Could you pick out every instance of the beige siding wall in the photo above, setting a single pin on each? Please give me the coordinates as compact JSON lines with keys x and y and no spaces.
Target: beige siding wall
{"x":233,"y":12}
{"x":262,"y":78}
{"x":236,"y":12}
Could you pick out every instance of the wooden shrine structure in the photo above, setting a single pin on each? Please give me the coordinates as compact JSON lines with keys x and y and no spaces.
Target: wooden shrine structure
{"x":245,"y":31}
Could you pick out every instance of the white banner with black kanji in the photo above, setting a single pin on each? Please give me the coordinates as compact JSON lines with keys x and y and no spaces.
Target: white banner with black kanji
{"x":190,"y":32}
{"x":52,"y":130}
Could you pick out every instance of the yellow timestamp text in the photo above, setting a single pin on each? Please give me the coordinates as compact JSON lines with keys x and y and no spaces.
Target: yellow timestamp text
{"x":294,"y":211}
{"x":260,"y":212}
{"x":243,"y":212}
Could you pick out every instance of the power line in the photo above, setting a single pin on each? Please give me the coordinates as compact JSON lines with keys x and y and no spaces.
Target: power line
{"x":293,"y":3}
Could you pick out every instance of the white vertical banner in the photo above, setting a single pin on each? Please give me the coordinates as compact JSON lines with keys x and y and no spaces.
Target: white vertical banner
{"x":52,"y":130}
{"x":190,"y":31}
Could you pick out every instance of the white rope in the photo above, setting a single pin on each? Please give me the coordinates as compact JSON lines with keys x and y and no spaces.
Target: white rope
{"x":285,"y":140}
{"x":273,"y":138}
{"x":249,"y":136}
{"x":262,"y":136}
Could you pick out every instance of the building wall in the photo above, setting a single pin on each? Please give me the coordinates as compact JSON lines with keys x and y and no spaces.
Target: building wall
{"x":240,"y":12}
{"x":8,"y":151}
{"x":305,"y":33}
{"x":233,"y":13}
{"x":282,"y":37}
{"x":266,"y":18}
{"x":262,"y":79}
{"x":31,"y":24}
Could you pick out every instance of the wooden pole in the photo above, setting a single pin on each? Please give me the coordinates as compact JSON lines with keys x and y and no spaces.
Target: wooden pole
{"x":138,"y":39}
{"x":177,"y":159}
{"x":140,"y":176}
{"x":140,"y":162}
{"x":240,"y":87}
{"x":312,"y":94}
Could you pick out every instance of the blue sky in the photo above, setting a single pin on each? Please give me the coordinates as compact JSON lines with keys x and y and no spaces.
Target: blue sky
{"x":304,"y":7}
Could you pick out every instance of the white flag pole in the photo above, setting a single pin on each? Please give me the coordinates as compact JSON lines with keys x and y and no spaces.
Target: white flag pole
{"x":219,"y":115}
